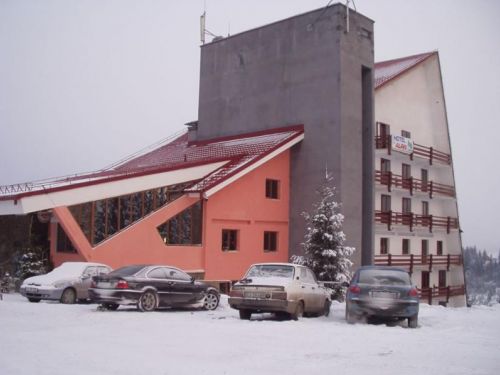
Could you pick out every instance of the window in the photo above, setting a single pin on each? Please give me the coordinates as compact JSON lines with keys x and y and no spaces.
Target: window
{"x":425,"y":280}
{"x":270,"y":241}
{"x":64,"y":244}
{"x":157,"y":273}
{"x":406,"y":246}
{"x":385,"y":165}
{"x":425,"y":208}
{"x":384,"y":245}
{"x":425,"y":250}
{"x":439,"y":249}
{"x":406,"y":170}
{"x":229,"y":240}
{"x":184,"y":228}
{"x":424,"y":176}
{"x":406,"y":205}
{"x":272,"y":189}
{"x":385,"y":204}
{"x":442,"y":278}
{"x":405,"y":133}
{"x":383,"y":133}
{"x":174,"y":274}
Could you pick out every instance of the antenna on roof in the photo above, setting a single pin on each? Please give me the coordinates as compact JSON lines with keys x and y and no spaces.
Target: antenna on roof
{"x":347,"y":12}
{"x":204,"y":31}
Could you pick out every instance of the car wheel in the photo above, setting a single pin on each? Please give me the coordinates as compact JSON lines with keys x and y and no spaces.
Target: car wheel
{"x":34,"y":299}
{"x":413,"y":321}
{"x":110,"y":306}
{"x":299,"y":311}
{"x":148,"y":301}
{"x":245,"y":314}
{"x":326,"y":308}
{"x":69,"y":296}
{"x":211,"y":300}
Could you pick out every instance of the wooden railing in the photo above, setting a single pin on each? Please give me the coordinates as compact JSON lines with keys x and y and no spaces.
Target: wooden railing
{"x":412,"y":260}
{"x":429,"y":294}
{"x":413,"y":184}
{"x":425,"y":152}
{"x":412,"y":220}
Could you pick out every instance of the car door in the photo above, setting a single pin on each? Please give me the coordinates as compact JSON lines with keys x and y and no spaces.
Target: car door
{"x":307,"y":289}
{"x":317,"y":292}
{"x":157,"y":278}
{"x":184,"y":290}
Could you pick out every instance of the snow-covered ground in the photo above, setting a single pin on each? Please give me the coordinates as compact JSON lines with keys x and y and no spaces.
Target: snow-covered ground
{"x":50,"y":338}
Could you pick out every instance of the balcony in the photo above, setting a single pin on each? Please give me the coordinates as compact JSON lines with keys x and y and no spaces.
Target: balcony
{"x":413,"y":184}
{"x":412,"y":220}
{"x":428,"y":294}
{"x":411,"y":260}
{"x":425,"y":152}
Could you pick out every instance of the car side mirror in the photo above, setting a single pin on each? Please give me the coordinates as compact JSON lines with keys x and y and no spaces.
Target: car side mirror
{"x":192,"y":280}
{"x":85,"y":277}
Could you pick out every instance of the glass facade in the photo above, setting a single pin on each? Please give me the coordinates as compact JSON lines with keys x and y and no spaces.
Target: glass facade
{"x":185,"y":228}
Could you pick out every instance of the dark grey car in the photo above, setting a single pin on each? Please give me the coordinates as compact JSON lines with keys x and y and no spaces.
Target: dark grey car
{"x":384,"y":292}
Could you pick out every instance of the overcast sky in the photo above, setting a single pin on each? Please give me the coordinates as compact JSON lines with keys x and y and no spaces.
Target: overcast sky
{"x":85,"y":83}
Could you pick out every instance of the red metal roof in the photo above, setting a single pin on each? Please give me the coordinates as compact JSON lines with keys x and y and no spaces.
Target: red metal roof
{"x":385,"y":71}
{"x":239,"y":151}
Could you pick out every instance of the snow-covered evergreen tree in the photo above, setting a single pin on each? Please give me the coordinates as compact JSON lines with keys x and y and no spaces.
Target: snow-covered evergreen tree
{"x":324,"y":250}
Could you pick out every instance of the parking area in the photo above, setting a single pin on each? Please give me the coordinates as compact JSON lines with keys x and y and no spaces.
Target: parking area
{"x":50,"y":338}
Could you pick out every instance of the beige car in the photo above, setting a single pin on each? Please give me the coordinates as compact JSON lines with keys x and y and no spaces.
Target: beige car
{"x":282,"y":288}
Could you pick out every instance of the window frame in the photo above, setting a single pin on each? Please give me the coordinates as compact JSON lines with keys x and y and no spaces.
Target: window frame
{"x":229,"y":232}
{"x":270,"y":241}
{"x":272,"y":187}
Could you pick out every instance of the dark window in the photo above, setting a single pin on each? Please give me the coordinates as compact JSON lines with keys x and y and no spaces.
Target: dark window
{"x":385,"y":165}
{"x":270,"y":241}
{"x":439,"y":249}
{"x":174,"y":274}
{"x":425,"y":250}
{"x":424,"y":176}
{"x":425,"y":208}
{"x":405,"y":133}
{"x":406,"y":246}
{"x":406,"y":170}
{"x":425,"y":280}
{"x":184,"y":228}
{"x":406,"y":205}
{"x":442,"y":278}
{"x":385,"y":204}
{"x":229,"y":240}
{"x":272,"y":189}
{"x":384,"y":245}
{"x":64,"y":244}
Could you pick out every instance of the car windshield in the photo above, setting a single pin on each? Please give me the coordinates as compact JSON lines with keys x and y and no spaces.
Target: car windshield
{"x":383,"y":277}
{"x":271,"y":270}
{"x":126,"y":271}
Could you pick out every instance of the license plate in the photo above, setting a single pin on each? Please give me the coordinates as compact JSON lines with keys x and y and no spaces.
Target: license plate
{"x":254,"y":295}
{"x":31,"y":290}
{"x":386,"y":295}
{"x":104,"y":284}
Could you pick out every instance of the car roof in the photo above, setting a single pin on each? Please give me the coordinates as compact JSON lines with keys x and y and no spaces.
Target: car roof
{"x":277,"y":264}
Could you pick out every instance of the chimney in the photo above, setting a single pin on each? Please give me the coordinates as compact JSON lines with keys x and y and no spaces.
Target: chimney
{"x":192,"y":130}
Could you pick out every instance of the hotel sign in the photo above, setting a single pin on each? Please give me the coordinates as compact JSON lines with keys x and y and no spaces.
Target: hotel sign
{"x":402,"y":144}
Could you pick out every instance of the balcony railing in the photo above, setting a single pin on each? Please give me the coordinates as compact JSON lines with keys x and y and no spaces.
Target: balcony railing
{"x":425,"y":152}
{"x":428,"y":294}
{"x":412,"y":220}
{"x":412,"y":260}
{"x":413,"y":184}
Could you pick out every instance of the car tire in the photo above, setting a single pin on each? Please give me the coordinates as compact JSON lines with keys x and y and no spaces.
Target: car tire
{"x":110,"y":306}
{"x":413,"y":321}
{"x":35,"y":300}
{"x":245,"y":314}
{"x":326,"y":308}
{"x":68,"y":297}
{"x":299,"y":311}
{"x":211,"y":300}
{"x":148,"y":301}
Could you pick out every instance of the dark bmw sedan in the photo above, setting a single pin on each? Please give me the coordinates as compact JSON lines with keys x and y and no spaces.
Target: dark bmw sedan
{"x":150,"y":287}
{"x":383,"y":292}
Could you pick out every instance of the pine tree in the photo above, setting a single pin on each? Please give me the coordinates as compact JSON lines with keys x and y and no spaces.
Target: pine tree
{"x":324,"y":250}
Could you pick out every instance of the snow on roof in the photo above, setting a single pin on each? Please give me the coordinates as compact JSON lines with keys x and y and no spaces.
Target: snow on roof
{"x":385,"y":71}
{"x":237,"y":151}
